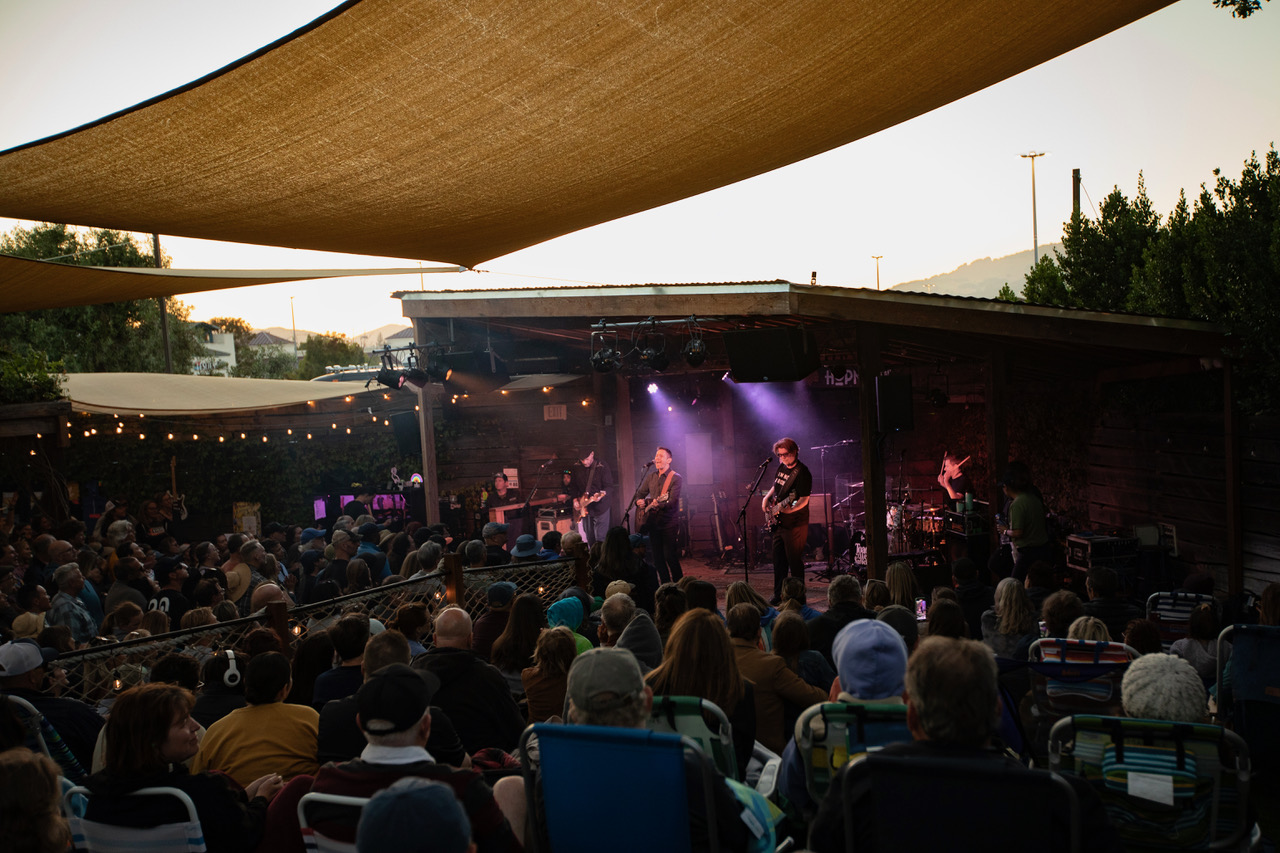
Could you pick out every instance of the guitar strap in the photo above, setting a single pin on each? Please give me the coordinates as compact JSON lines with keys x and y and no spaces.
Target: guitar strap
{"x":591,"y":477}
{"x":666,"y":484}
{"x":786,"y":486}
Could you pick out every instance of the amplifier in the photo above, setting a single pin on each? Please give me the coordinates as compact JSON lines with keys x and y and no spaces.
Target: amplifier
{"x":967,"y":523}
{"x":1087,"y":550}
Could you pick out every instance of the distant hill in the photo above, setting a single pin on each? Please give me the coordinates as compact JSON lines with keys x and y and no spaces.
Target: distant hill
{"x":982,"y":278}
{"x":367,"y":339}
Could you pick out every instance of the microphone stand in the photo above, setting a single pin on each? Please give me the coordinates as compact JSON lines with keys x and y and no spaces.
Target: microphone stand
{"x":742,"y":520}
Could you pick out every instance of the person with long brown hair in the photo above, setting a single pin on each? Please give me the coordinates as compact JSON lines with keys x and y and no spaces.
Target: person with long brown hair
{"x":513,"y":650}
{"x":29,"y":803}
{"x":546,"y":681}
{"x":901,"y":581}
{"x":698,"y":660}
{"x":149,"y":734}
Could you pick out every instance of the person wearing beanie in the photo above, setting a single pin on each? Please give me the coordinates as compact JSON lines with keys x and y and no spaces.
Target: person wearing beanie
{"x":414,"y":816}
{"x":1163,"y":687}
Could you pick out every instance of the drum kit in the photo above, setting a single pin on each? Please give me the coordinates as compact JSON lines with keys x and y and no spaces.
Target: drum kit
{"x":912,"y":525}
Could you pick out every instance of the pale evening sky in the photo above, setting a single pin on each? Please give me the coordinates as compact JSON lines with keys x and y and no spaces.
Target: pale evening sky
{"x":1175,"y":95}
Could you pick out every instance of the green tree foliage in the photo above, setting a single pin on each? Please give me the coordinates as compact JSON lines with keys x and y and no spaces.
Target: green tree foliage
{"x":1215,"y":260}
{"x":27,"y":376}
{"x":1006,"y":293}
{"x":328,"y":349}
{"x":1045,"y":285}
{"x":1098,"y":258}
{"x":1239,"y":8}
{"x":114,"y":336}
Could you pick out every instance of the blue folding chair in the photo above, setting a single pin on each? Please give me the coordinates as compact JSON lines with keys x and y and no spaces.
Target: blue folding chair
{"x":182,"y":836}
{"x":1248,"y":689}
{"x":571,"y":813}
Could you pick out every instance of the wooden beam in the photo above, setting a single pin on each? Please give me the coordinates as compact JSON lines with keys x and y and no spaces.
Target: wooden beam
{"x":869,"y":366}
{"x":1174,"y":367}
{"x":1231,"y":472}
{"x":427,"y":436}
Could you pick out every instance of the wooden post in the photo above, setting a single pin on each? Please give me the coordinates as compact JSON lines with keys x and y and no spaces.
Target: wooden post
{"x":453,"y":583}
{"x":625,"y":467}
{"x":997,"y":431}
{"x":869,"y":366}
{"x":1231,"y":473}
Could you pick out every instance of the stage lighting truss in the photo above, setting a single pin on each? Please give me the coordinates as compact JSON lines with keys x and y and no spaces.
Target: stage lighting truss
{"x":395,"y":373}
{"x":649,"y":339}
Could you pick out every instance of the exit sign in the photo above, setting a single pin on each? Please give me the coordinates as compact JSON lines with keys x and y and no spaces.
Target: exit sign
{"x":555,"y":412}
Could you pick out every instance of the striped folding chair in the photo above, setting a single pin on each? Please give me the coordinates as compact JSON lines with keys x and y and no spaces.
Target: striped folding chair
{"x":1171,"y":611}
{"x":1165,"y":785}
{"x":320,"y":807}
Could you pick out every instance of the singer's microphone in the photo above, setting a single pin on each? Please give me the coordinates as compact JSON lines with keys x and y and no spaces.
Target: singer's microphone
{"x":766,"y":462}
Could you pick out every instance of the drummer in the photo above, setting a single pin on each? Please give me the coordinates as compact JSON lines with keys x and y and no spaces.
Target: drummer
{"x":952,"y":479}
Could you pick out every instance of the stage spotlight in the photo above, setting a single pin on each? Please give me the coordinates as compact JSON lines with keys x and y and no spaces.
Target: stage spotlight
{"x":390,"y":378}
{"x":937,"y":398}
{"x":653,"y":388}
{"x":605,"y":360}
{"x":654,"y":358}
{"x":695,"y":352}
{"x":416,"y":377}
{"x":438,"y":372}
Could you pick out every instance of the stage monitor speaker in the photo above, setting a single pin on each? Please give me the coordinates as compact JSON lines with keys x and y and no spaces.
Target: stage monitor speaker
{"x":893,"y":402}
{"x":408,"y":440}
{"x":771,"y":355}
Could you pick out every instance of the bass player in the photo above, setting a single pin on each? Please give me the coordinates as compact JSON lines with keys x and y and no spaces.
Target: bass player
{"x":589,"y":487}
{"x":786,"y":509}
{"x":659,"y":515}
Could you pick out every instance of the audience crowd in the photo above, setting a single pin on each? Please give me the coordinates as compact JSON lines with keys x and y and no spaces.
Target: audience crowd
{"x":424,"y":714}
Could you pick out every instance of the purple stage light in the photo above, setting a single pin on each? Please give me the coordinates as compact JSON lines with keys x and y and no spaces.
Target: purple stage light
{"x":653,"y":387}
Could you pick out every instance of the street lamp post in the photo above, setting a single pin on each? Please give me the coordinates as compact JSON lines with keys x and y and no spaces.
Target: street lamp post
{"x":1035,"y":236}
{"x":877,"y":257}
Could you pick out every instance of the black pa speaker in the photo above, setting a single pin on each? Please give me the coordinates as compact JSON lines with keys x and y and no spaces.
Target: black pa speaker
{"x":408,"y":438}
{"x":771,"y":355}
{"x":893,"y":403}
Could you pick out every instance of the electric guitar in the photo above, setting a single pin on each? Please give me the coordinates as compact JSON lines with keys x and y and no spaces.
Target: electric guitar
{"x":179,"y":505}
{"x":580,"y":505}
{"x":773,"y":512}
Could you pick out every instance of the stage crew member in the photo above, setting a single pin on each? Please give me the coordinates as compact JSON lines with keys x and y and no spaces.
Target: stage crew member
{"x":659,"y":515}
{"x":786,"y":509}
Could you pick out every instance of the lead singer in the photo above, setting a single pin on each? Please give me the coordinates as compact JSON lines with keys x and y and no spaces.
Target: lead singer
{"x":786,"y":509}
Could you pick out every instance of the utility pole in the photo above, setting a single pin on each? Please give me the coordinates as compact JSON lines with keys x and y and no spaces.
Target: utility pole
{"x":1075,"y":193}
{"x":294,"y":321}
{"x":1035,"y":236}
{"x":877,"y":257}
{"x":164,"y":313}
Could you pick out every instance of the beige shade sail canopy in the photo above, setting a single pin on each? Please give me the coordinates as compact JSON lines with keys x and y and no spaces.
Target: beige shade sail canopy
{"x":177,"y":394}
{"x":458,"y":131}
{"x":27,"y":284}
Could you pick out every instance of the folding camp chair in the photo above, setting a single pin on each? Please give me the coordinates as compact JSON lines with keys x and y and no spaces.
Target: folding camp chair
{"x":1171,"y":611}
{"x":973,"y":805}
{"x":314,"y":840}
{"x":688,"y":716}
{"x":833,"y":733}
{"x":1248,"y":690}
{"x":1165,"y":785}
{"x":41,"y":736}
{"x":89,"y":836}
{"x":571,"y":813}
{"x":1078,"y":677}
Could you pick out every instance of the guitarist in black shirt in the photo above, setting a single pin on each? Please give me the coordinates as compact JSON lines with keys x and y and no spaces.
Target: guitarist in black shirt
{"x":659,"y":515}
{"x":590,"y":492}
{"x":786,"y":509}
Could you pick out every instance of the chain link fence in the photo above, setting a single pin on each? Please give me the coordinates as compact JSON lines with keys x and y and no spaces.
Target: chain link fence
{"x":96,"y":674}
